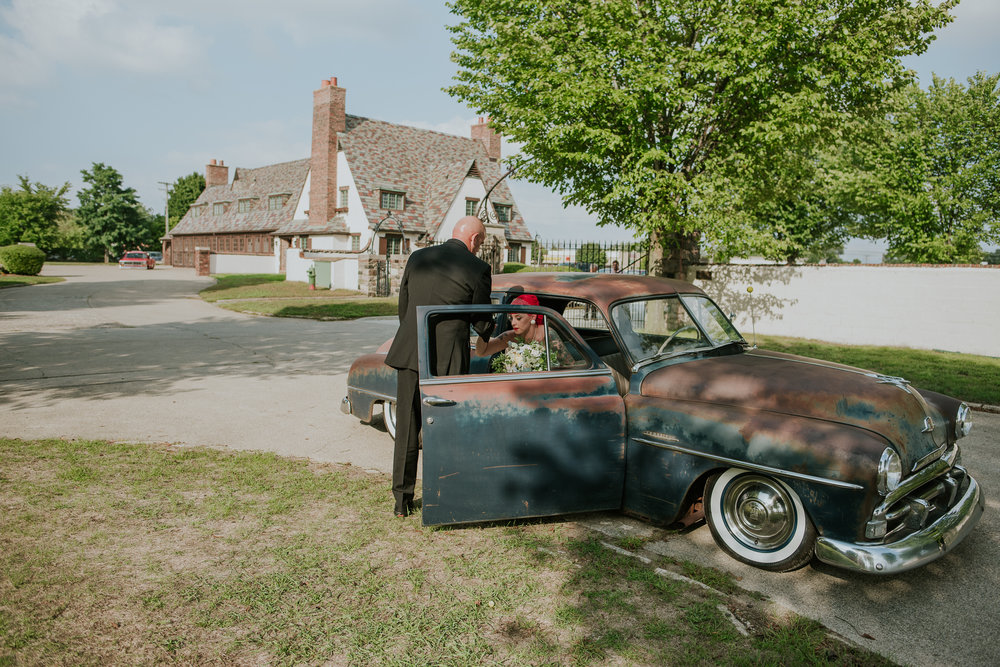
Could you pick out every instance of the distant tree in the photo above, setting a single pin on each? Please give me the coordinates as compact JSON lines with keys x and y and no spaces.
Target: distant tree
{"x":591,"y":253}
{"x":668,"y":116}
{"x":32,"y":213}
{"x":183,"y":192}
{"x":927,"y":177}
{"x":992,"y":257}
{"x":110,"y":213}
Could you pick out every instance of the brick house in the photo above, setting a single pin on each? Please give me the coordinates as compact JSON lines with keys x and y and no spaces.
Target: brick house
{"x":369,"y":188}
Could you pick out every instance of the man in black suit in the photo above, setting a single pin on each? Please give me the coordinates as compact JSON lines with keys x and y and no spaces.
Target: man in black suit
{"x":444,"y":274}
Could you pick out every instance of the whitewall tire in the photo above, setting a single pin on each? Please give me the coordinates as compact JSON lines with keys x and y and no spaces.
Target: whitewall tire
{"x":759,"y":520}
{"x":389,"y":416}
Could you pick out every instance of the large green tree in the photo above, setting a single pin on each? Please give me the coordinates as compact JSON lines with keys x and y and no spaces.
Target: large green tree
{"x":110,"y":213}
{"x":677,"y":118}
{"x":926,"y":178}
{"x":32,"y":213}
{"x":183,"y":192}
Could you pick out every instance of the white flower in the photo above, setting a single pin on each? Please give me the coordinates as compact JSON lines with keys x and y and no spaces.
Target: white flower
{"x":520,"y":358}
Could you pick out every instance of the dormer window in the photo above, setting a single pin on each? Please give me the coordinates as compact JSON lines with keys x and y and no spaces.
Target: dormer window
{"x":503,"y":212}
{"x":219,"y":208}
{"x":470,"y":206}
{"x":276,"y":202}
{"x":392,"y":201}
{"x":244,"y":205}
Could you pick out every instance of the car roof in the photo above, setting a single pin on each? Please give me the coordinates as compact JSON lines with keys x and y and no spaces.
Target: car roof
{"x":601,"y":288}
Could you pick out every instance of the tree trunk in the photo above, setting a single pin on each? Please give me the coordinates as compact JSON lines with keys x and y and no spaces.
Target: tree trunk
{"x":672,"y":255}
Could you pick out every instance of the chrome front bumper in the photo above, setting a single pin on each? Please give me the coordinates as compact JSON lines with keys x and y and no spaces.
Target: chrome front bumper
{"x":914,"y":550}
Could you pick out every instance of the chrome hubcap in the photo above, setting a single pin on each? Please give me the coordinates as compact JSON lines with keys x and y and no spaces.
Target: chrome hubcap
{"x":759,"y":512}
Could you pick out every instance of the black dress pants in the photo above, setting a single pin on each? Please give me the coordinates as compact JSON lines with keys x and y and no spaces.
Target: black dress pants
{"x":404,"y":457}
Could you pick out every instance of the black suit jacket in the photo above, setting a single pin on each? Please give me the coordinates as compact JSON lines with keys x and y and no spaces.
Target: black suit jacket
{"x":444,"y":274}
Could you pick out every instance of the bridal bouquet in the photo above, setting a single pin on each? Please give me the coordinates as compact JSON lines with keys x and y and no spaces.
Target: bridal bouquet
{"x":521,"y":357}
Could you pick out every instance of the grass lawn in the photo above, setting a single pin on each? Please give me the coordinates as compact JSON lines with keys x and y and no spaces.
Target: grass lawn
{"x":138,"y":554}
{"x":269,"y":294}
{"x":13,"y":280}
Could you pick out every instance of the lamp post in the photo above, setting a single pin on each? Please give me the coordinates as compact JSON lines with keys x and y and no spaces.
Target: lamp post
{"x":166,"y":208}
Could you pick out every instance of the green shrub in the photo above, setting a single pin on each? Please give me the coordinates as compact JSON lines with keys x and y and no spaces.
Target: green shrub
{"x":22,"y":260}
{"x":513,"y":267}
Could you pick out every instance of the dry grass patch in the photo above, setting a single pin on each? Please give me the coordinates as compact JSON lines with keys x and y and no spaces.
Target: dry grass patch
{"x":136,"y":554}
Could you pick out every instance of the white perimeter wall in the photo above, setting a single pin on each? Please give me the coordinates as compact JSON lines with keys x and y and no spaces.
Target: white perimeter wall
{"x":931,"y":307}
{"x":243,"y":263}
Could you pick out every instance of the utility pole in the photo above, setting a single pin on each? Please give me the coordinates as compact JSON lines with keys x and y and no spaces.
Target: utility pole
{"x":166,"y":208}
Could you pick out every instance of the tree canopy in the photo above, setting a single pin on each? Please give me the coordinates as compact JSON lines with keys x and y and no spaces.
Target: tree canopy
{"x":110,"y":213}
{"x":678,"y":118}
{"x":32,"y":213}
{"x":183,"y":192}
{"x":926,"y":177}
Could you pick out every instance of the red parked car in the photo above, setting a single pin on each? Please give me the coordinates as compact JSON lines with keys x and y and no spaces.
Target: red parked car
{"x":136,"y":259}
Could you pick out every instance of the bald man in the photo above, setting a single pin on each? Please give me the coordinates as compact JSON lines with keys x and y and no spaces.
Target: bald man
{"x":445,"y":274}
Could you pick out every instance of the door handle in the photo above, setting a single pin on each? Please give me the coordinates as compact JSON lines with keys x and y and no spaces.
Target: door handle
{"x":438,"y":402}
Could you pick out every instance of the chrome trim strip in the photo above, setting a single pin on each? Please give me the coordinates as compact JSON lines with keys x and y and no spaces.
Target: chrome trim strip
{"x":752,"y":466}
{"x":912,"y":551}
{"x":529,"y":375}
{"x":931,"y":471}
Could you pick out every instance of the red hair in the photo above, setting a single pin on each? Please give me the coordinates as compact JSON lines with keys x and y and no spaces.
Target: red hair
{"x":529,"y":300}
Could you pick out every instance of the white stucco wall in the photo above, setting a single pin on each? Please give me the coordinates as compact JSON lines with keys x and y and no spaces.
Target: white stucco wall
{"x":472,"y":188}
{"x":930,"y":307}
{"x":296,"y":266}
{"x":243,"y":263}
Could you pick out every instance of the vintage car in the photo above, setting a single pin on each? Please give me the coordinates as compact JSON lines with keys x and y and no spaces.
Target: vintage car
{"x":136,"y":259}
{"x":656,"y":406}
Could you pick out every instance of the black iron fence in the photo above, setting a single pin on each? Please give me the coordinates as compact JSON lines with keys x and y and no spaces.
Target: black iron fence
{"x":607,"y":257}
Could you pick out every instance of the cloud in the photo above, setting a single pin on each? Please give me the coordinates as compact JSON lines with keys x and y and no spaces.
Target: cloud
{"x":39,"y":36}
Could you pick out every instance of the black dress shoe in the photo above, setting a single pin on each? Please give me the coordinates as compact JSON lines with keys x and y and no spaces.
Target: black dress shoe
{"x":402,"y":511}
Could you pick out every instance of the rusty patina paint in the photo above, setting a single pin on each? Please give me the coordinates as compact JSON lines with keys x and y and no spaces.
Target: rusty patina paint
{"x":792,"y":387}
{"x":554,"y":445}
{"x":368,"y":382}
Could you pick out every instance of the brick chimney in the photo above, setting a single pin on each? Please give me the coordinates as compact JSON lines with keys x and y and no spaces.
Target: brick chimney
{"x":216,"y":173}
{"x":329,"y":118}
{"x":489,"y":137}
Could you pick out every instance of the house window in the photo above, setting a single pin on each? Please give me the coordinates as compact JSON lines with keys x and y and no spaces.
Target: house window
{"x":392,"y":200}
{"x":275,"y":202}
{"x":342,"y":203}
{"x":218,"y":208}
{"x":393,"y":245}
{"x":244,"y":205}
{"x":513,"y":254}
{"x":355,"y":242}
{"x":470,"y":206}
{"x":503,"y":212}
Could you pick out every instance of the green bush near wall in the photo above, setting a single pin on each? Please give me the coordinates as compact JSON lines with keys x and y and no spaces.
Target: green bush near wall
{"x":22,"y":260}
{"x":513,"y":267}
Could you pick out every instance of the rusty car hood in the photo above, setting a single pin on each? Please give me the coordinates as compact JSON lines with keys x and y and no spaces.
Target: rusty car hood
{"x":760,"y":380}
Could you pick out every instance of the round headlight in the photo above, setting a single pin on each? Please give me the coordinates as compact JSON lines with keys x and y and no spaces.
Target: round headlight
{"x":890,"y":471}
{"x":963,"y":421}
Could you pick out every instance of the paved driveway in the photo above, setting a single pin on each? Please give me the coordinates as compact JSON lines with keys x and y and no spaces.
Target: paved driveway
{"x":133,"y":355}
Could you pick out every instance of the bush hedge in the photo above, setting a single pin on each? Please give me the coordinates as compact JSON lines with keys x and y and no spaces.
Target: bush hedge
{"x":22,"y":260}
{"x":513,"y":267}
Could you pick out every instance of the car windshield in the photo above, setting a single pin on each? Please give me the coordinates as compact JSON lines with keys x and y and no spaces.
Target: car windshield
{"x":664,"y":326}
{"x":134,"y":255}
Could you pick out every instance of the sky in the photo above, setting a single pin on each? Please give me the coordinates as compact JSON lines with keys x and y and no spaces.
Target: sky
{"x":156,"y":89}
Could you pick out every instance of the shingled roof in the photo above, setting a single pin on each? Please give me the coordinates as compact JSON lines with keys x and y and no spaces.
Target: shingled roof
{"x":286,"y":178}
{"x":429,"y":167}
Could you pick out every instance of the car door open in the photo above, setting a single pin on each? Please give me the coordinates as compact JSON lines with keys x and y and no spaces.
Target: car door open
{"x":524,"y":444}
